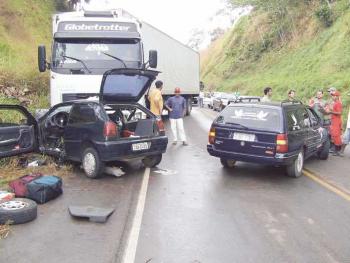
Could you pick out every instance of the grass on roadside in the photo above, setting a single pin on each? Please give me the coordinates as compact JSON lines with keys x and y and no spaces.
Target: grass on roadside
{"x":11,"y":170}
{"x":4,"y":231}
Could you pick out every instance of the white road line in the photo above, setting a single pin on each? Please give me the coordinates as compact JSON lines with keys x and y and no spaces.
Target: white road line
{"x":130,"y":250}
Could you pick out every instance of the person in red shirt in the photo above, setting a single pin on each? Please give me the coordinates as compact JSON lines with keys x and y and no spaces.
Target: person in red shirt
{"x":336,"y":122}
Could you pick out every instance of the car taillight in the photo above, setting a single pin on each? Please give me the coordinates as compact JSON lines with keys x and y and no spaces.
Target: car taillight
{"x":110,"y":129}
{"x":212,"y":135}
{"x":161,"y":128}
{"x":282,"y":143}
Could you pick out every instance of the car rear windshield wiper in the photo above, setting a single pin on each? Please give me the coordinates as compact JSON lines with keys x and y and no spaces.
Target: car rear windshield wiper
{"x":109,"y":55}
{"x":237,"y":124}
{"x":79,"y":60}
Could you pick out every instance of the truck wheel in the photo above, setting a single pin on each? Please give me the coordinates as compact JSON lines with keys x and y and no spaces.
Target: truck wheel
{"x":228,"y":163}
{"x":17,"y":211}
{"x":296,"y":168}
{"x":152,"y":161}
{"x":324,"y":152}
{"x":188,"y":106}
{"x":92,"y":164}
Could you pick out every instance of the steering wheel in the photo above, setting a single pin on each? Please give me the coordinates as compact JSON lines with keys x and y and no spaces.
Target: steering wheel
{"x":60,"y":119}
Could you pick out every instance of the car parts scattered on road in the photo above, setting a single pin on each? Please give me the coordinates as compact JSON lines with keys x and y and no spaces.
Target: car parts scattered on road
{"x":95,"y":214}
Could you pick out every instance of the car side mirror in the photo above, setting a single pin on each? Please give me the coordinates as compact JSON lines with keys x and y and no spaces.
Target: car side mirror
{"x":153,"y":58}
{"x":42,"y":58}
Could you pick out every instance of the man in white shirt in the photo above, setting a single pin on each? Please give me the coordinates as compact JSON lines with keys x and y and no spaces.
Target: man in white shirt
{"x":201,"y":98}
{"x":267,"y":95}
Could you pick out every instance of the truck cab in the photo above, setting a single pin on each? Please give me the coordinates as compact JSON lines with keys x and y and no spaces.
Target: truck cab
{"x":85,"y":45}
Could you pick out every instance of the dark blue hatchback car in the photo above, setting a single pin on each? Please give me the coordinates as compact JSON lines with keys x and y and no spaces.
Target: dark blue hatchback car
{"x":112,"y":127}
{"x":284,"y":133}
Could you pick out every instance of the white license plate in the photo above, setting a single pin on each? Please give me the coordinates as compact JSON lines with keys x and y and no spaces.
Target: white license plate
{"x":244,"y":137}
{"x":141,"y":146}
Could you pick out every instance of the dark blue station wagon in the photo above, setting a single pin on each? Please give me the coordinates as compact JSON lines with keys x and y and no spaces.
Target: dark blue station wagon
{"x":284,"y":134}
{"x":114,"y":127}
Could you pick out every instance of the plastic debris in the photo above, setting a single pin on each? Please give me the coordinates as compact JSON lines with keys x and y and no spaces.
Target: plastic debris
{"x":95,"y":214}
{"x":116,"y":171}
{"x":165,"y":172}
{"x":36,"y":163}
{"x":6,"y":196}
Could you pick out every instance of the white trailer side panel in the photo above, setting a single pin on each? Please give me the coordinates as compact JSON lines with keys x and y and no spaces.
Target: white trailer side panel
{"x":179,"y":64}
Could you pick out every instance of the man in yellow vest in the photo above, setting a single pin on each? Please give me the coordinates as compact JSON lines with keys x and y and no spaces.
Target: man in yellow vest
{"x":156,"y":99}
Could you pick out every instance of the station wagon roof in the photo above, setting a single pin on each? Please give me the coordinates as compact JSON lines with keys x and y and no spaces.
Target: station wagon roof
{"x":271,"y":103}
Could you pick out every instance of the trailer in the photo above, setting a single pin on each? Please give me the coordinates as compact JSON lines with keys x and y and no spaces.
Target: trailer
{"x":179,"y":64}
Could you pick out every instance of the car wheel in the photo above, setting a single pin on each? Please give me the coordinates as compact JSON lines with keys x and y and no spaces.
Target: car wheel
{"x":152,"y":161}
{"x":92,"y":164}
{"x":17,"y":211}
{"x":324,"y":152}
{"x":228,"y":163}
{"x":296,"y":168}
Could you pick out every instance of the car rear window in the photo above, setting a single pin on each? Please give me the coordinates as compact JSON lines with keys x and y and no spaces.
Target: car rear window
{"x":251,"y":117}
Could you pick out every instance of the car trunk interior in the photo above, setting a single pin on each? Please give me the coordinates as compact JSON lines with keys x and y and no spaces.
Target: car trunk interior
{"x":132,"y":122}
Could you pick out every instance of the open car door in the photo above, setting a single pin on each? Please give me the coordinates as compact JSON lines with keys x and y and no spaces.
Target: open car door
{"x":18,"y":131}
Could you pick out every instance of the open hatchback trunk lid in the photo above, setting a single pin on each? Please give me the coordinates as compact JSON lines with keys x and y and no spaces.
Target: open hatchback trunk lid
{"x":125,"y":85}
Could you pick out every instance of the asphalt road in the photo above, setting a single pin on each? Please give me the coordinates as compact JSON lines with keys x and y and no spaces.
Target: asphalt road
{"x":201,"y":212}
{"x":191,"y":209}
{"x":55,"y":236}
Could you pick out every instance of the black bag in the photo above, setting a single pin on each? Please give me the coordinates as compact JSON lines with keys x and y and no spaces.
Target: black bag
{"x":44,"y":189}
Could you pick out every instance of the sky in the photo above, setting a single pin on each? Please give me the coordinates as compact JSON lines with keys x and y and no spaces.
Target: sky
{"x":178,"y":18}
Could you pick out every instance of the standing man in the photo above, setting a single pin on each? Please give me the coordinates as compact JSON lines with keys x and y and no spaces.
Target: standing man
{"x":177,"y":109}
{"x":156,"y":99}
{"x":267,"y":95}
{"x":291,"y":95}
{"x":336,"y":122}
{"x":319,"y":105}
{"x":201,"y":98}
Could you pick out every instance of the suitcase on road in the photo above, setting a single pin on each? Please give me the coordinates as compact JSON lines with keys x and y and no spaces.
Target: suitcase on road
{"x":44,"y":189}
{"x":19,"y":186}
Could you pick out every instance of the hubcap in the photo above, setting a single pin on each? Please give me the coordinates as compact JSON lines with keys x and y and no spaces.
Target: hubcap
{"x":89,"y":163}
{"x":13,"y":205}
{"x":300,"y":162}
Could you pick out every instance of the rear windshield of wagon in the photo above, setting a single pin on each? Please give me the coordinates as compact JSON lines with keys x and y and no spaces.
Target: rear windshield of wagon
{"x":252,"y":117}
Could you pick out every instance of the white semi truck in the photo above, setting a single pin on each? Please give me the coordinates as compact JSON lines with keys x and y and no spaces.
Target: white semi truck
{"x":88,"y":43}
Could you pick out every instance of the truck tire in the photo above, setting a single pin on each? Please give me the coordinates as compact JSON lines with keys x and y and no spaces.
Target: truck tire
{"x":324,"y":152}
{"x":152,"y":161}
{"x":188,"y":106}
{"x":17,"y":211}
{"x":296,"y":168}
{"x":92,"y":164}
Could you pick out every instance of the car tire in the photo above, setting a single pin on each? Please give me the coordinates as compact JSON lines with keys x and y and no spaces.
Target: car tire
{"x":92,"y":164}
{"x":324,"y":152}
{"x":227,"y":163}
{"x":296,"y":168}
{"x":152,"y":161}
{"x":18,"y":211}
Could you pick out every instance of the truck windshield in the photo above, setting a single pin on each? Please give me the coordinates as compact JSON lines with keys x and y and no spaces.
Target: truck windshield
{"x":92,"y":52}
